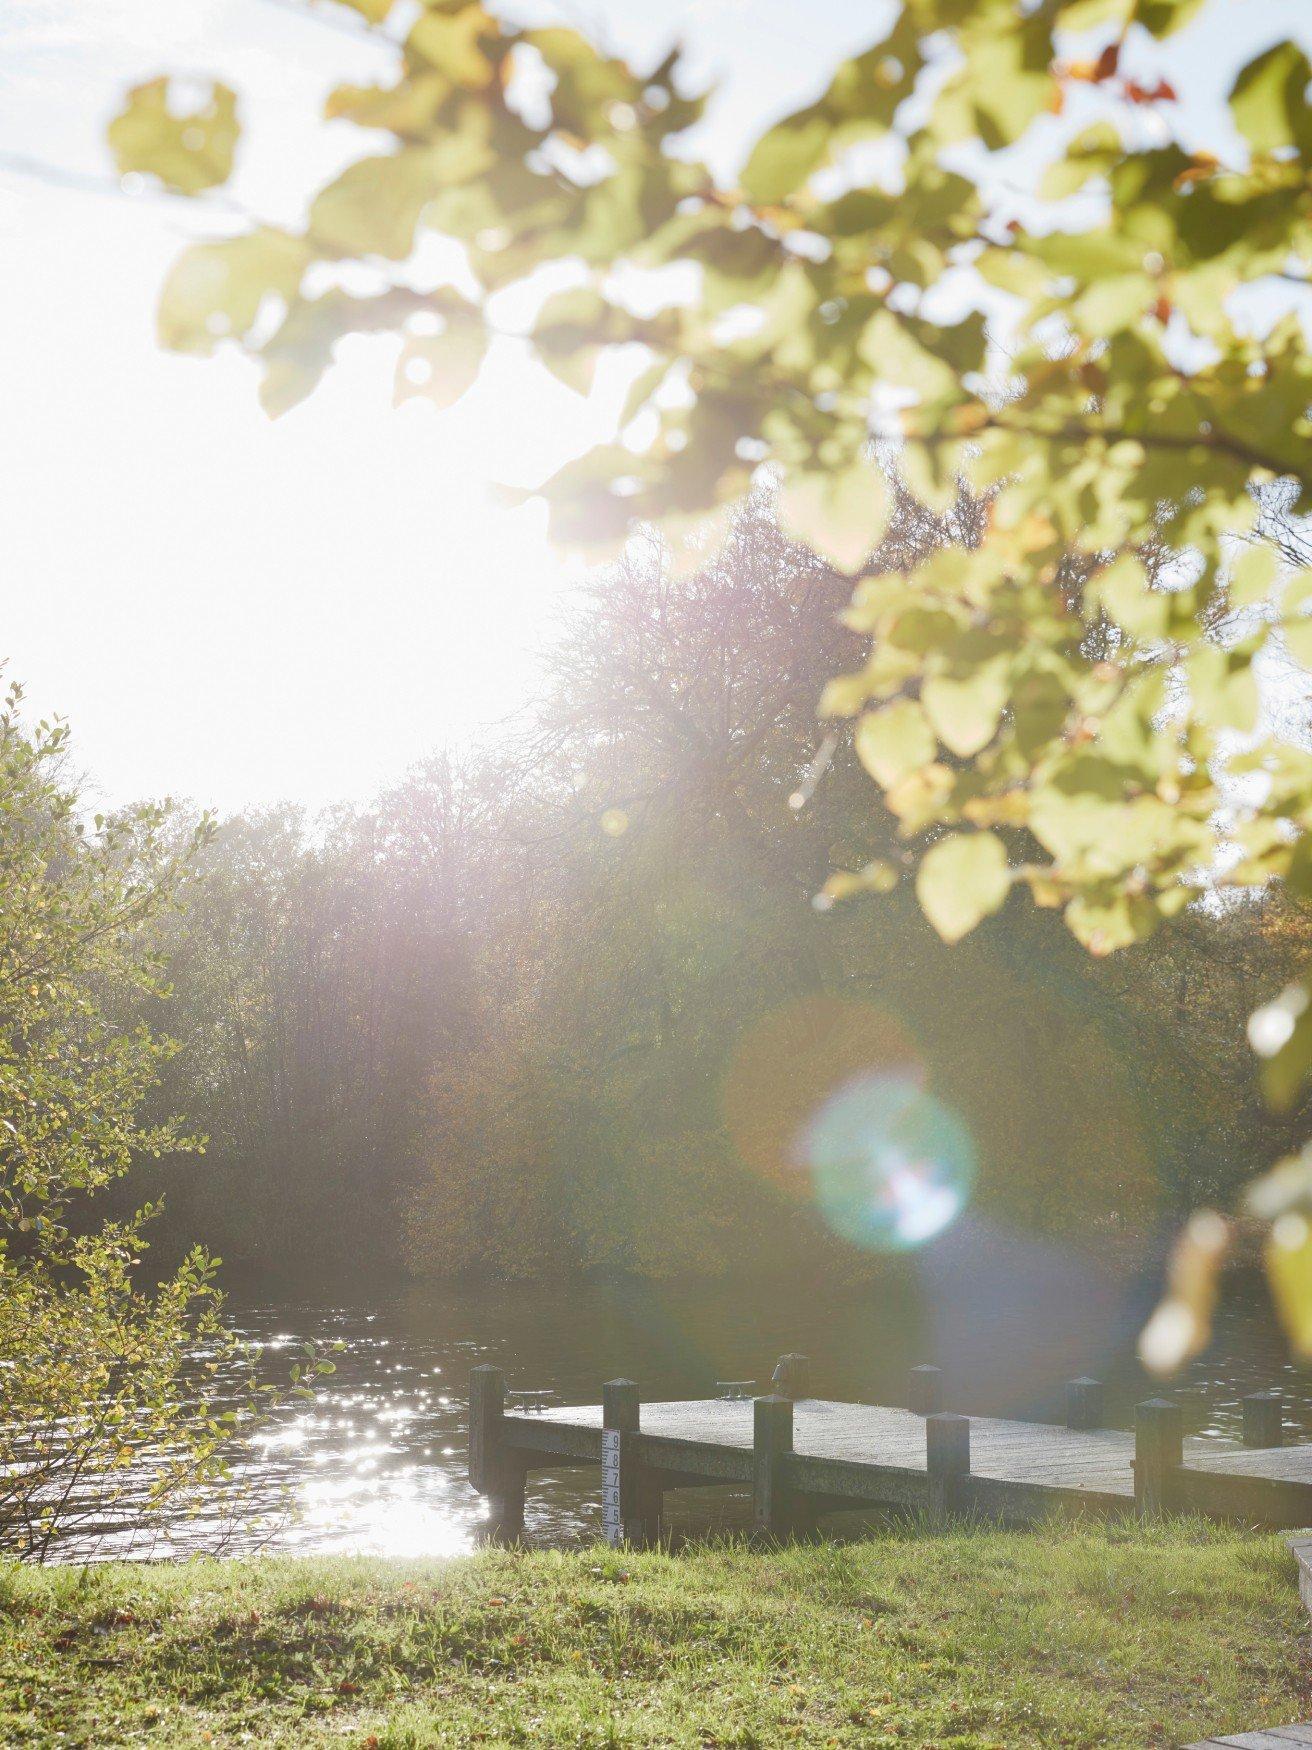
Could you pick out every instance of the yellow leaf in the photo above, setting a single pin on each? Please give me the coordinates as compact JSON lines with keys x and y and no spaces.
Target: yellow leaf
{"x":961,"y":880}
{"x":1252,"y":576}
{"x":841,"y":514}
{"x":965,"y":712}
{"x":215,"y":291}
{"x":1125,"y":594}
{"x":844,"y":696}
{"x":454,"y":43}
{"x":916,"y":800}
{"x":188,"y":151}
{"x":374,"y":206}
{"x":894,"y":741}
{"x":876,"y":877}
{"x":441,"y":367}
{"x":1288,"y":1260}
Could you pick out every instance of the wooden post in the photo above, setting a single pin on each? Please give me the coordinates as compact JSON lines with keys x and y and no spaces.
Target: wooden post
{"x":947,"y":1461}
{"x":487,"y":1398}
{"x":1264,"y":1416}
{"x":1158,"y":1455}
{"x":1084,"y":1403}
{"x":630,"y":1498}
{"x":924,"y":1390}
{"x":493,"y":1470}
{"x":792,"y":1376}
{"x":772,"y":1447}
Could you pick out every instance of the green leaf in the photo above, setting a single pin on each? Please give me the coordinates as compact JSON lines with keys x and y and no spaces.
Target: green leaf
{"x":1040,"y":705}
{"x":1113,"y":303}
{"x":1104,"y":925}
{"x":1269,"y":99}
{"x":782,"y":159}
{"x":1161,"y":17}
{"x":902,"y":356}
{"x":841,"y":514}
{"x":188,"y":152}
{"x":440,"y":367}
{"x":965,"y":713}
{"x":571,"y":329}
{"x":1252,"y":576}
{"x":215,"y":291}
{"x":1298,"y":641}
{"x":301,"y":350}
{"x":1287,"y":1067}
{"x":961,"y":880}
{"x":1089,"y":154}
{"x":409,"y":109}
{"x":374,"y":206}
{"x":894,"y":741}
{"x":588,"y":84}
{"x":455,"y":40}
{"x":1223,"y":687}
{"x":1125,"y":593}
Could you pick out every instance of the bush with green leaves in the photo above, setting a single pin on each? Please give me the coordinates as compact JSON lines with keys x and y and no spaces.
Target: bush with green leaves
{"x":109,"y":1390}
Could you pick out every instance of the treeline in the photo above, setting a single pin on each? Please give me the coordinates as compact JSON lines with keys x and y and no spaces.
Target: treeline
{"x":562,"y":1005}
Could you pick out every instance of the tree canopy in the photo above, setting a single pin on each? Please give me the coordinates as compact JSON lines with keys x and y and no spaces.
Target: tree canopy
{"x":1060,"y":693}
{"x":1110,"y":367}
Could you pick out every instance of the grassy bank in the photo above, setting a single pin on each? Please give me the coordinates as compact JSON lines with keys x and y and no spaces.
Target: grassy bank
{"x":1074,"y":1636}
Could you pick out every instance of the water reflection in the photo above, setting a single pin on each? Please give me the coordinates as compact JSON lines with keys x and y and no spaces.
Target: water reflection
{"x":375,"y":1464}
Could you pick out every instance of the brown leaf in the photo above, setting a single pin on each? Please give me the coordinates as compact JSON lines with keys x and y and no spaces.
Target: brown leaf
{"x":1108,"y":61}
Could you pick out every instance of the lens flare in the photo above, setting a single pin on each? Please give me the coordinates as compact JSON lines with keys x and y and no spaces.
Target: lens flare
{"x":890,"y":1165}
{"x":790,"y":1062}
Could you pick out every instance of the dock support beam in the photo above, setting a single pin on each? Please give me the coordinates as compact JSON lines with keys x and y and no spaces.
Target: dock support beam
{"x":1084,"y":1403}
{"x":630,"y":1495}
{"x":1158,"y":1456}
{"x":494,"y":1470}
{"x":924,"y":1390}
{"x":1264,"y":1416}
{"x":947,"y":1462}
{"x":792,"y":1376}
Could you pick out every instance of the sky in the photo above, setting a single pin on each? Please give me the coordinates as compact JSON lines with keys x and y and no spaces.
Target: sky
{"x":243,"y":612}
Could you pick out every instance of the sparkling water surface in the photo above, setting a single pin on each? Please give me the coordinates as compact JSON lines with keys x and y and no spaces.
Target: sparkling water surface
{"x":375,"y":1464}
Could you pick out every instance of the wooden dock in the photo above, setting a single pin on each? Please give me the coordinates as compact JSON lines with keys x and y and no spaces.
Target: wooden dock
{"x":802,"y":1457}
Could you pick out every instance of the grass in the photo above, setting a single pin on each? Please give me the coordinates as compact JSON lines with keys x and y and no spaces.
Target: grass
{"x":1072,"y":1635}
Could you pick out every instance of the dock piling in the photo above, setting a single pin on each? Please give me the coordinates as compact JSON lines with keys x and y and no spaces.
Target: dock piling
{"x":947,"y":1461}
{"x":1264,"y":1416}
{"x":1084,"y":1408}
{"x":924,"y":1390}
{"x":1158,"y":1456}
{"x":814,"y":1457}
{"x":495,"y":1471}
{"x":630,"y":1494}
{"x":772,"y":1448}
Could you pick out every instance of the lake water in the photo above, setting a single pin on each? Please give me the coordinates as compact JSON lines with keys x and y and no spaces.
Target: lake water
{"x":376,"y":1463}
